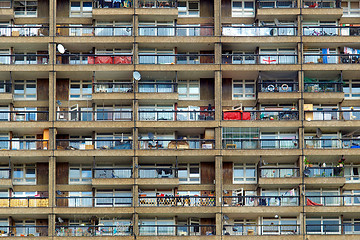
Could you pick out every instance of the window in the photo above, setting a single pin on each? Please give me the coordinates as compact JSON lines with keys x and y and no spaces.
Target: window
{"x":24,"y":174}
{"x":25,"y":114}
{"x":155,"y":56}
{"x":4,"y":59}
{"x":320,"y":28}
{"x":154,"y":112}
{"x":80,"y":199}
{"x":4,"y":143}
{"x":243,"y":89}
{"x":322,"y":225}
{"x":283,"y":56}
{"x":81,"y":9}
{"x":159,"y":86}
{"x":156,"y":28}
{"x":352,"y":198}
{"x":352,"y":173}
{"x":25,"y":8}
{"x":278,"y":140}
{"x":189,"y":89}
{"x":149,"y":227}
{"x":351,"y":226}
{"x":189,"y":8}
{"x":25,"y":228}
{"x":279,"y":226}
{"x":314,"y":55}
{"x":113,"y":198}
{"x":115,"y":227}
{"x":112,"y":171}
{"x":80,"y":174}
{"x":350,"y":8}
{"x":25,"y":90}
{"x":244,"y":173}
{"x":80,"y":89}
{"x":4,"y":223}
{"x":189,"y":173}
{"x":352,"y":88}
{"x":243,"y":8}
{"x":79,"y":30}
{"x":156,"y":171}
{"x":279,"y":197}
{"x":113,"y":141}
{"x":192,"y":58}
{"x":113,"y":113}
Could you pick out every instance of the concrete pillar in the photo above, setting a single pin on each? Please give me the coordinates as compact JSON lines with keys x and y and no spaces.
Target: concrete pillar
{"x":218,"y":53}
{"x":51,"y":224}
{"x":52,"y":18}
{"x":135,"y":138}
{"x":135,"y":176}
{"x":136,"y":24}
{"x":218,"y":180}
{"x":217,"y":17}
{"x":219,"y":224}
{"x":135,"y":54}
{"x":52,"y":181}
{"x":218,"y":95}
{"x":136,"y":224}
{"x":52,"y":96}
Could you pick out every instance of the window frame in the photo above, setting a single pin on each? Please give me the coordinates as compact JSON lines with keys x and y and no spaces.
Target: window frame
{"x":81,"y":168}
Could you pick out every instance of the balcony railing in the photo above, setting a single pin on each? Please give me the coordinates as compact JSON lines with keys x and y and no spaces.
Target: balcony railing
{"x":271,"y":86}
{"x":260,"y":143}
{"x":94,"y":201}
{"x":25,"y":231}
{"x":333,"y":200}
{"x":158,"y":172}
{"x":176,"y":58}
{"x":322,"y":4}
{"x":180,"y":31}
{"x":323,"y":87}
{"x":260,"y":201}
{"x":24,"y":58}
{"x":91,"y":144}
{"x":332,"y":58}
{"x":23,"y":31}
{"x":98,"y":115}
{"x":279,"y":172}
{"x":93,"y":230}
{"x":326,"y":115}
{"x":14,"y":144}
{"x":177,"y":230}
{"x":24,"y":116}
{"x":172,"y":144}
{"x":112,"y":87}
{"x":99,"y":31}
{"x":174,"y":115}
{"x":24,"y":202}
{"x":270,"y":115}
{"x":331,"y":228}
{"x":158,"y":87}
{"x":333,"y":143}
{"x":331,"y":31}
{"x":157,"y":3}
{"x":94,"y":59}
{"x":171,"y":201}
{"x":108,"y":173}
{"x":324,"y":172}
{"x":270,"y":229}
{"x":112,"y":4}
{"x":276,"y":4}
{"x":255,"y":31}
{"x":259,"y":59}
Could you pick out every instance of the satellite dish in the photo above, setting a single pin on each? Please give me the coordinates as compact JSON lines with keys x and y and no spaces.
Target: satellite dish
{"x":136,"y":75}
{"x":61,"y":48}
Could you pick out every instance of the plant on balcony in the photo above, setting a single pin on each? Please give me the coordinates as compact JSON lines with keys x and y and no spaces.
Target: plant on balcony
{"x":307,"y":163}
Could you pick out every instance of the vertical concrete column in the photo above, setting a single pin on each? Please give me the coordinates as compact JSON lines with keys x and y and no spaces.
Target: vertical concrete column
{"x":135,"y":186}
{"x":218,"y":95}
{"x":136,"y":224}
{"x":135,"y":54}
{"x":52,"y":18}
{"x":136,"y":25}
{"x":219,"y":224}
{"x":52,"y":96}
{"x":299,"y":51}
{"x":302,"y":221}
{"x":217,"y":17}
{"x":52,"y":181}
{"x":301,"y":100}
{"x":135,"y":103}
{"x":51,"y":224}
{"x":135,"y":138}
{"x":299,"y":26}
{"x":301,"y":138}
{"x":218,"y":53}
{"x":218,"y":180}
{"x":52,"y":138}
{"x":136,"y":4}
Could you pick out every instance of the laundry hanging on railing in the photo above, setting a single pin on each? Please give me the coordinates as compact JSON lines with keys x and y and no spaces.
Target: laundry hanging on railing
{"x":348,"y":50}
{"x":326,"y":52}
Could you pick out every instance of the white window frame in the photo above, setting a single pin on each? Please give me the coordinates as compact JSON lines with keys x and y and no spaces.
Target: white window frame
{"x":125,"y":28}
{"x":24,"y":180}
{"x":322,"y":219}
{"x":26,"y":96}
{"x":80,"y":202}
{"x":350,"y":94}
{"x":243,"y":12}
{"x":186,"y":11}
{"x":5,"y":59}
{"x":158,"y":221}
{"x":244,"y":94}
{"x":81,"y":179}
{"x":278,"y":223}
{"x":81,"y":12}
{"x":245,"y":179}
{"x":122,"y":227}
{"x":191,"y":178}
{"x":26,"y":13}
{"x":113,"y":202}
{"x":187,"y":95}
{"x":82,"y":94}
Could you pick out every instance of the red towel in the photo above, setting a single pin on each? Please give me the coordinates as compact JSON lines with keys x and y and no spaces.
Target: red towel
{"x":311,"y":203}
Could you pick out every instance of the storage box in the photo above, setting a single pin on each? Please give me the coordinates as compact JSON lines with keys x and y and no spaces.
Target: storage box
{"x":89,"y":147}
{"x":15,"y":33}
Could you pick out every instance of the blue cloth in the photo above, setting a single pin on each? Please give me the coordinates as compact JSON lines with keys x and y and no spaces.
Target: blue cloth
{"x":325,"y":58}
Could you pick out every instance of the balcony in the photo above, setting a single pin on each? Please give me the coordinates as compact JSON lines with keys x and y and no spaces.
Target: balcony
{"x":254,"y":31}
{"x":278,"y":86}
{"x":176,"y":115}
{"x":157,"y":87}
{"x":331,"y":58}
{"x":319,"y":87}
{"x":24,"y":31}
{"x":262,"y":115}
{"x":331,"y":115}
{"x":327,"y":4}
{"x":24,"y":202}
{"x":258,"y":230}
{"x":260,"y":143}
{"x":332,"y":143}
{"x":322,"y":9}
{"x":332,"y":227}
{"x":157,"y":4}
{"x":177,"y":201}
{"x":24,"y":144}
{"x":6,"y":10}
{"x":24,"y":59}
{"x":172,"y":31}
{"x":276,"y":177}
{"x":92,"y":144}
{"x":99,"y":115}
{"x":259,"y":59}
{"x":97,"y":31}
{"x":90,"y":202}
{"x":94,"y":230}
{"x":5,"y":178}
{"x":111,"y":173}
{"x":260,"y":201}
{"x":24,"y":231}
{"x":270,"y":9}
{"x":24,"y":116}
{"x":102,"y":59}
{"x":177,"y":230}
{"x":332,"y":200}
{"x":112,"y":87}
{"x":176,"y":144}
{"x":176,"y":58}
{"x":324,"y":176}
{"x":331,"y":31}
